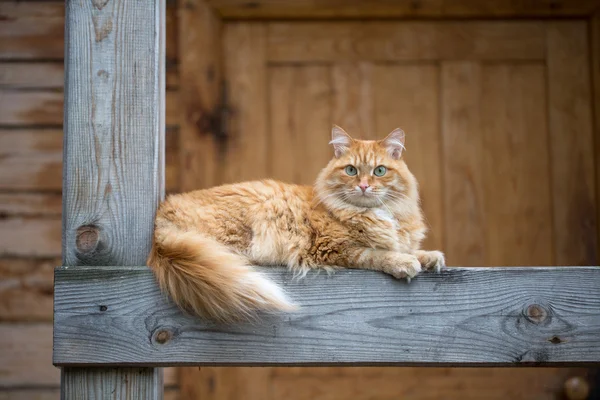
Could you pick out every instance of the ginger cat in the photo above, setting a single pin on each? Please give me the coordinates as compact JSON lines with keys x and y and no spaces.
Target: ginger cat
{"x":363,"y":212}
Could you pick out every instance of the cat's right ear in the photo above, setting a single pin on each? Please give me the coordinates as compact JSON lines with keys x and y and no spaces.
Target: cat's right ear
{"x":340,"y":140}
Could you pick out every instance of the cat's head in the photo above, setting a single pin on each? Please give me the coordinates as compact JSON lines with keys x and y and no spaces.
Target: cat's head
{"x":366,"y":173}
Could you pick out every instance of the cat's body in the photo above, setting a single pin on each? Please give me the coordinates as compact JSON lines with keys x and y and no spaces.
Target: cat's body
{"x":206,"y":241}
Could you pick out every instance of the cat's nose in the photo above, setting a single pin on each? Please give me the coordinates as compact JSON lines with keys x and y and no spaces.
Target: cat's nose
{"x":363,"y":186}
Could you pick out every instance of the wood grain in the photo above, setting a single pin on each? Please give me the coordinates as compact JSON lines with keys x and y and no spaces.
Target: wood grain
{"x":517,"y":187}
{"x":114,"y":158}
{"x":45,"y":108}
{"x":31,"y":30}
{"x":361,"y":9}
{"x":595,"y":69}
{"x":300,"y":122}
{"x":571,"y":144}
{"x":429,"y":384}
{"x":30,"y":204}
{"x":31,"y":159}
{"x":26,"y":289}
{"x":353,"y":98}
{"x":407,"y":97}
{"x":404,"y":41}
{"x":54,"y":394}
{"x":226,"y":383}
{"x":200,"y":97}
{"x":471,"y":316}
{"x":30,"y":237}
{"x":462,"y":160}
{"x":50,"y":75}
{"x":245,"y":153}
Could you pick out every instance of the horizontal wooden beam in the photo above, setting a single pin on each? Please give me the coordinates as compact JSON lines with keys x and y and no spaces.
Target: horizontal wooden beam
{"x":461,"y":317}
{"x":361,"y":9}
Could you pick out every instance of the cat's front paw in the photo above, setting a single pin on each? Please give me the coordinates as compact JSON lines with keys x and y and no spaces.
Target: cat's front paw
{"x":431,"y":260}
{"x":404,"y":266}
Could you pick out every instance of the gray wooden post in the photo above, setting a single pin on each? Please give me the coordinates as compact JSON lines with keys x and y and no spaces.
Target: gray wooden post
{"x":113,"y":157}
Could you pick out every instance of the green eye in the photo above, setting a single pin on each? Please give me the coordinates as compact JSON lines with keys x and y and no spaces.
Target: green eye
{"x":351,"y":170}
{"x":380,"y":171}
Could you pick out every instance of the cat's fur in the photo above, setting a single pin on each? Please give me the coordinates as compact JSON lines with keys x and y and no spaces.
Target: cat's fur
{"x":206,"y":241}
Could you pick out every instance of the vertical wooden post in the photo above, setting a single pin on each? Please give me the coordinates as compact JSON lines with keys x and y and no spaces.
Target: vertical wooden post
{"x":113,"y":157}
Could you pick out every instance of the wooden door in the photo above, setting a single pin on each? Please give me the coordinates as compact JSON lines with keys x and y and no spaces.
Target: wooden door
{"x":499,"y":134}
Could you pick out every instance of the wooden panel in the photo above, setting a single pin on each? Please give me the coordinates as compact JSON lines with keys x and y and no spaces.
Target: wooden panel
{"x":35,"y":30}
{"x":201,"y":152}
{"x":30,"y":237}
{"x":300,"y":111}
{"x":353,"y":98}
{"x":571,"y":144}
{"x":468,"y":316}
{"x":409,"y":41}
{"x":114,"y":158}
{"x":26,"y":289}
{"x":517,"y":186}
{"x":50,"y":75}
{"x":246,"y":156}
{"x":30,"y":204}
{"x":430,"y":384}
{"x":407,"y":97}
{"x":361,"y":9}
{"x":464,"y":183}
{"x":595,"y":47}
{"x":31,"y":159}
{"x":226,"y":383}
{"x":26,"y":355}
{"x":45,"y":108}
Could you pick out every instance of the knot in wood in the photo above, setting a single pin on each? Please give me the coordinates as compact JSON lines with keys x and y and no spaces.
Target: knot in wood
{"x":87,"y":238}
{"x":163,"y":336}
{"x":536,"y":314}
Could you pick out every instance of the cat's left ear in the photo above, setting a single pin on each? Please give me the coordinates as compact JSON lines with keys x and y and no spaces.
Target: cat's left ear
{"x":340,"y":140}
{"x":394,"y":143}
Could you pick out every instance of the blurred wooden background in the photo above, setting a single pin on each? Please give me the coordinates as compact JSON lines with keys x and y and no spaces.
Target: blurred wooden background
{"x":499,"y":116}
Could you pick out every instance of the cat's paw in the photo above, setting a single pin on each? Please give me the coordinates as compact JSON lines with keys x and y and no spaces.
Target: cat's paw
{"x":404,"y":266}
{"x":431,"y":260}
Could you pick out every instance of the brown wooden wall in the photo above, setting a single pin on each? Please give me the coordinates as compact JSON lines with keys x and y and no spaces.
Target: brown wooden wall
{"x":31,"y":113}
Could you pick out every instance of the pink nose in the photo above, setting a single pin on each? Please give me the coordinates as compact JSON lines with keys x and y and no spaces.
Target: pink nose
{"x":363,"y":187}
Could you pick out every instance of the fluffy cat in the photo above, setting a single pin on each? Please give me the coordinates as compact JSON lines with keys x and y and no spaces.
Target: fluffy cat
{"x":363,"y":212}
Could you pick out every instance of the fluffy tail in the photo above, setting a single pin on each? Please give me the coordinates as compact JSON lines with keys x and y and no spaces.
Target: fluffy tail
{"x":202,"y":276}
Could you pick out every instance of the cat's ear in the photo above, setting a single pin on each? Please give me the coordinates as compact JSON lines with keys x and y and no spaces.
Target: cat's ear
{"x":340,"y":140}
{"x":394,"y":143}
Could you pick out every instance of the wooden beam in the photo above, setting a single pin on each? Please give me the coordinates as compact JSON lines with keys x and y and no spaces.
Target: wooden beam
{"x":114,"y":150}
{"x":460,"y":317}
{"x":388,"y":9}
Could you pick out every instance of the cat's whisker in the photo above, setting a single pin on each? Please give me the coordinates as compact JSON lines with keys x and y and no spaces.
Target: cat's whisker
{"x":383,"y":204}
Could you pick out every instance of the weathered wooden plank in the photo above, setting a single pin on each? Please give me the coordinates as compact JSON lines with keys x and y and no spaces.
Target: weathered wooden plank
{"x":462,"y":316}
{"x":114,"y":157}
{"x":32,"y":30}
{"x":404,"y":41}
{"x":407,"y":97}
{"x":361,"y":9}
{"x":45,"y":108}
{"x":201,"y":96}
{"x":464,"y":203}
{"x":517,"y":191}
{"x":31,"y":159}
{"x":50,"y":75}
{"x":571,"y":144}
